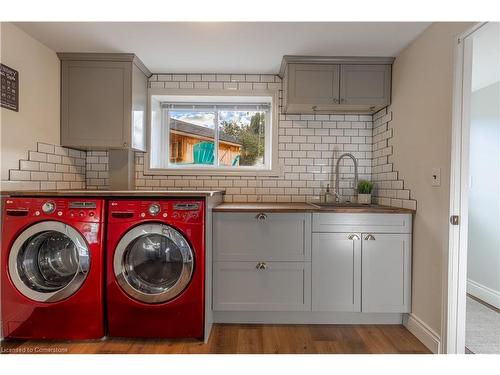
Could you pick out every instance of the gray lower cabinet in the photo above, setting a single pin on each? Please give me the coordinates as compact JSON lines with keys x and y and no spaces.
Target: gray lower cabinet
{"x":262,"y":286}
{"x":320,"y":262}
{"x":386,"y":275}
{"x":262,"y":261}
{"x":103,"y":101}
{"x":336,"y":275}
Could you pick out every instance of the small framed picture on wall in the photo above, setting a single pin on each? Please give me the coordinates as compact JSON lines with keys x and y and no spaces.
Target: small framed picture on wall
{"x":9,"y":90}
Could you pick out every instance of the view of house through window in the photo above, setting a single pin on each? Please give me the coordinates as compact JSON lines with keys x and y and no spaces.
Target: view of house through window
{"x":217,"y":135}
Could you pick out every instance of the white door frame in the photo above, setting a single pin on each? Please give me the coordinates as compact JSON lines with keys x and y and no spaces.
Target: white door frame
{"x":455,"y":272}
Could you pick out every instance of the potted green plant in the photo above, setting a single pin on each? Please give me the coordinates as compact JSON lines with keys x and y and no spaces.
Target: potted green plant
{"x":365,"y":192}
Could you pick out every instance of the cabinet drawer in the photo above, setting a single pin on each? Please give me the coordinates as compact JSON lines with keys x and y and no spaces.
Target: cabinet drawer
{"x":357,"y":222}
{"x":262,"y":236}
{"x":281,"y":286}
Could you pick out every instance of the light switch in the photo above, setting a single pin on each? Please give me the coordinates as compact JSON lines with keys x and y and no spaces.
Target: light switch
{"x":436,"y":177}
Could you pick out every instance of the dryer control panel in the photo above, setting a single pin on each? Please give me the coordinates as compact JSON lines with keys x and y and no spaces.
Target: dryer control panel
{"x":82,"y":210}
{"x":184,"y":211}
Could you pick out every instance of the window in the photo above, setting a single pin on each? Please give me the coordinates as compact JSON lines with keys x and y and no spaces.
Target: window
{"x":216,"y":134}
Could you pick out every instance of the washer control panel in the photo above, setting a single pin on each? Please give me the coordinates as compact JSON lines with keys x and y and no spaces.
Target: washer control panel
{"x":63,"y":208}
{"x":186,"y":211}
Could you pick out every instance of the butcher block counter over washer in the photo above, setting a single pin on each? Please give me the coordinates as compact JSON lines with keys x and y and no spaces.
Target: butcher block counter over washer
{"x":113,"y":193}
{"x":304,"y":264}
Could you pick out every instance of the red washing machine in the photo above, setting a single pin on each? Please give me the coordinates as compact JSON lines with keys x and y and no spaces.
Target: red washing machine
{"x":52,"y":268}
{"x":156,"y":268}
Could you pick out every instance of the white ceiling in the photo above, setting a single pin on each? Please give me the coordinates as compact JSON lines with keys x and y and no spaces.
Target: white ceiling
{"x":243,"y":47}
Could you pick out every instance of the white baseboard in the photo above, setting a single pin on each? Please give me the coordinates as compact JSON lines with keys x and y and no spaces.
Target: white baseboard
{"x":488,"y":295}
{"x":423,"y":332}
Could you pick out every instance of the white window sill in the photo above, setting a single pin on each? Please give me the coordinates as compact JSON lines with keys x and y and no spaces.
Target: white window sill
{"x":212,"y":172}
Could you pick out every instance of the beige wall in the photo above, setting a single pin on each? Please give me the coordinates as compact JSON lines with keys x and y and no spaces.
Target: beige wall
{"x":422,"y":112}
{"x":38,"y":116}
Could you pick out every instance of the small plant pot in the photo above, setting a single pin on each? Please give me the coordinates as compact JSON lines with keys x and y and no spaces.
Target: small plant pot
{"x":364,"y":198}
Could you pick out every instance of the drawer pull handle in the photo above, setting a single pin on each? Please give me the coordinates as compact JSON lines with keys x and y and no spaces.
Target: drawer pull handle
{"x":353,"y":237}
{"x":261,"y":216}
{"x":370,"y":237}
{"x":261,"y":266}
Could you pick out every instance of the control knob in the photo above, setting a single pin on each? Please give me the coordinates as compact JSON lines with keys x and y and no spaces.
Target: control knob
{"x":154,"y":209}
{"x":48,"y":207}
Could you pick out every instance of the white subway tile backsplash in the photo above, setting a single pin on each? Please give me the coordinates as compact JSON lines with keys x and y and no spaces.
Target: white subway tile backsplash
{"x":306,"y":143}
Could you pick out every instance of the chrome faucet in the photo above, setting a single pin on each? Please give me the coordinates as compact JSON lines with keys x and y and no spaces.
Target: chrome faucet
{"x":337,"y":167}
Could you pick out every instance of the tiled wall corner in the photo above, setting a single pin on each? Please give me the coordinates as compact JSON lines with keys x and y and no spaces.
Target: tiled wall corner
{"x":50,"y":167}
{"x":390,"y":190}
{"x":97,"y":174}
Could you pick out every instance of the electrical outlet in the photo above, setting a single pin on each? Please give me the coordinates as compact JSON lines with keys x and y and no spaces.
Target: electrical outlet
{"x":436,"y":177}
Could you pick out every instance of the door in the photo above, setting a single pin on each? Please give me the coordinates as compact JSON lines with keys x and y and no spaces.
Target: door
{"x":386,"y":268}
{"x":49,"y":262}
{"x":473,"y":257}
{"x":313,"y":84}
{"x":365,"y":85}
{"x":95,"y":104}
{"x":153,"y":263}
{"x":336,"y":272}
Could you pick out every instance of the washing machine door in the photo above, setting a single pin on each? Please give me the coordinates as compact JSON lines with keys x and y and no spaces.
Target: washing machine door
{"x":49,"y":261}
{"x":153,"y":263}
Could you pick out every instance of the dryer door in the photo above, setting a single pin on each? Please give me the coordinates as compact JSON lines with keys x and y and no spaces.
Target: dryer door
{"x":153,"y":263}
{"x":49,"y":261}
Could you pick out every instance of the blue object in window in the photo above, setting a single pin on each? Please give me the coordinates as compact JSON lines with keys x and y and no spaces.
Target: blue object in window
{"x":203,"y":153}
{"x":236,"y":161}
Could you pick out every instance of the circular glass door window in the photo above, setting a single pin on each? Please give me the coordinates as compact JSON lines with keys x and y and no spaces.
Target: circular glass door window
{"x":153,"y":263}
{"x":49,"y":261}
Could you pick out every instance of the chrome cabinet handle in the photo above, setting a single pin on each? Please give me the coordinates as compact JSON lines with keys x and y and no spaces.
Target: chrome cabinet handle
{"x":353,"y":237}
{"x":261,"y":266}
{"x":342,"y":100}
{"x":335,"y":100}
{"x":370,"y":237}
{"x":261,"y":216}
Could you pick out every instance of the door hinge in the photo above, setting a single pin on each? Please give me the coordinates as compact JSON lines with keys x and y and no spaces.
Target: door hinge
{"x":454,"y":220}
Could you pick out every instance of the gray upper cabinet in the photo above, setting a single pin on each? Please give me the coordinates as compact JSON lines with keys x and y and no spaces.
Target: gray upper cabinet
{"x":335,"y":84}
{"x":103,"y":101}
{"x":365,"y":85}
{"x":313,"y":84}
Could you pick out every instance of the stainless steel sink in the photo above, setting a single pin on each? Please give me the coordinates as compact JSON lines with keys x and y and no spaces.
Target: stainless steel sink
{"x":336,"y":204}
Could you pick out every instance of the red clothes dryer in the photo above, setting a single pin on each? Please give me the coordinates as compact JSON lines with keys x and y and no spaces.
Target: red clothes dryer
{"x":156,"y":268}
{"x":52,"y":268}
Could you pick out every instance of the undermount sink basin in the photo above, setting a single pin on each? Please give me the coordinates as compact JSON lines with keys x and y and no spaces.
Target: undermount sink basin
{"x":336,"y":204}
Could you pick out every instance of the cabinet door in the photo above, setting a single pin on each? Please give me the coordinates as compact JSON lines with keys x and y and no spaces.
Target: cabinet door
{"x":313,"y":84}
{"x":336,"y":272}
{"x":262,"y":286}
{"x":95,"y":104}
{"x":365,"y":85}
{"x":386,"y":273}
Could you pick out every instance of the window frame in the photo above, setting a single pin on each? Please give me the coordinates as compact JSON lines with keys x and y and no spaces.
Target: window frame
{"x":158,"y":96}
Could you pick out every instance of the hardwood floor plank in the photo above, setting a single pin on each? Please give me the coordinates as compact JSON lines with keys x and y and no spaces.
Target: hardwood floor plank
{"x":246,"y":339}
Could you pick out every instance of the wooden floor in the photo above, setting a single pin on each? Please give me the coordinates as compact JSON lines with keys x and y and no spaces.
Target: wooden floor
{"x":248,"y":339}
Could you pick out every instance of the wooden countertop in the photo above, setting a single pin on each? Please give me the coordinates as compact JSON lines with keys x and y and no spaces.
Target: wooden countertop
{"x":113,"y":193}
{"x":308,"y":207}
